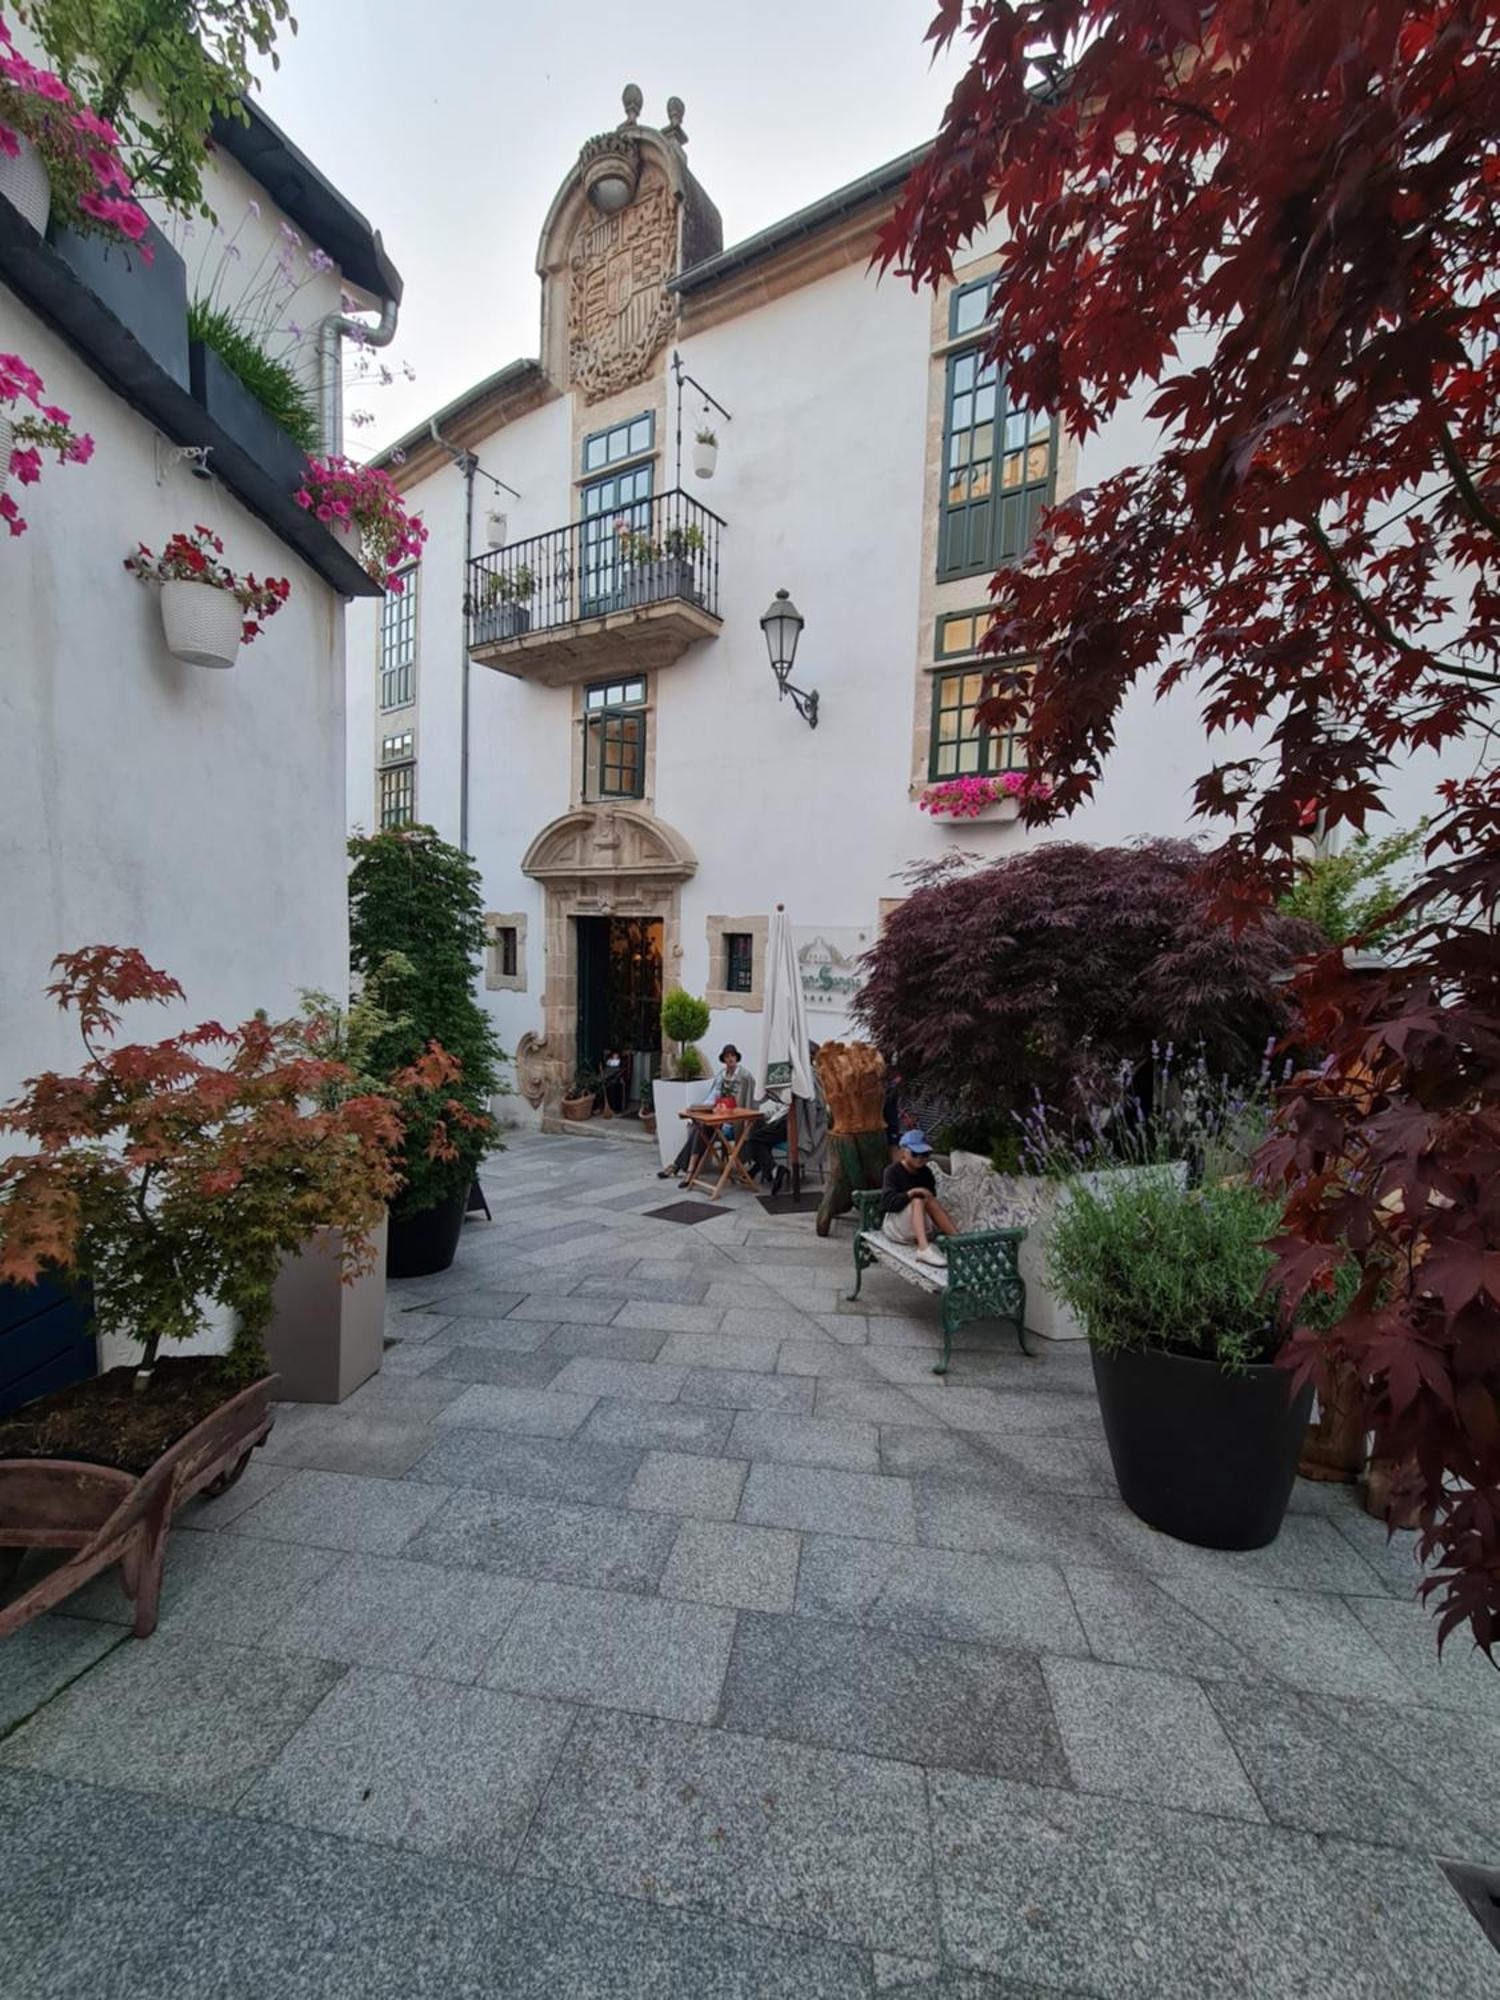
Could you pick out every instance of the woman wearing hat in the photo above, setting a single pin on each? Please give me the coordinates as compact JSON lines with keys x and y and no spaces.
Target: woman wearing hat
{"x":732,"y":1083}
{"x":913,"y":1213}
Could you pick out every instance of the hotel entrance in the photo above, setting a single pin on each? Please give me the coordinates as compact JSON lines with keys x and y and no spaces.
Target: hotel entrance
{"x":619,"y":996}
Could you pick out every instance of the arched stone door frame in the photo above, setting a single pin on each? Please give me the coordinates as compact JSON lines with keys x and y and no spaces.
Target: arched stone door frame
{"x":596,"y":861}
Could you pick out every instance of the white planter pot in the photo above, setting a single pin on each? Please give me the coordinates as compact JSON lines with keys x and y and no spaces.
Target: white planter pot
{"x":202,"y":624}
{"x":7,"y":446}
{"x":347,"y":535}
{"x":1030,"y":1202}
{"x":705,"y":458}
{"x":24,"y":183}
{"x":670,"y":1100}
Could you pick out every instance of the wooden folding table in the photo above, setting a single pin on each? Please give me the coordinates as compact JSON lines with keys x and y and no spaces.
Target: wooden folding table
{"x":718,"y":1148}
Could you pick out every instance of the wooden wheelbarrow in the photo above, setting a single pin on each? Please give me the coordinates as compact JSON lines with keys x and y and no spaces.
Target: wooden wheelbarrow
{"x":107,"y":1516}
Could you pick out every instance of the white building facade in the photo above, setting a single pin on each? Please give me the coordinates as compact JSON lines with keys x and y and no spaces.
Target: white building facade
{"x":603,"y":732}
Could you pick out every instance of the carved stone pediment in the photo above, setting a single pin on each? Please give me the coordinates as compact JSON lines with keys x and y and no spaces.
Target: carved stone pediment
{"x":609,"y":845}
{"x":619,"y":309}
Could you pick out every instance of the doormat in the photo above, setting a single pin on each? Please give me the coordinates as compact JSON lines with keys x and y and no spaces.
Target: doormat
{"x":790,"y":1204}
{"x":686,"y":1211}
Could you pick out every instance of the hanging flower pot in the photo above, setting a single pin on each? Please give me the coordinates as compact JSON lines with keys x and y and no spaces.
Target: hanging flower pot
{"x":202,"y":624}
{"x":25,"y":184}
{"x":206,"y":610}
{"x":705,"y":454}
{"x":27,"y":433}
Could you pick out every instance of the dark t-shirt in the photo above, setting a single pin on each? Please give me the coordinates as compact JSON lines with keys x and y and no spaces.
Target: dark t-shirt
{"x":897,"y":1184}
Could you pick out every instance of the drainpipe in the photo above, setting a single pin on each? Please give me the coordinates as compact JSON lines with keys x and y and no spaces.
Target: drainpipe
{"x":331,"y":330}
{"x":468,"y":465}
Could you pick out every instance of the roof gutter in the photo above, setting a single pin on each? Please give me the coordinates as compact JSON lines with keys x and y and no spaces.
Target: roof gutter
{"x":331,"y":330}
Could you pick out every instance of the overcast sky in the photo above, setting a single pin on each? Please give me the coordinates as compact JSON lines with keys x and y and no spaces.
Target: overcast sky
{"x":451,"y":123}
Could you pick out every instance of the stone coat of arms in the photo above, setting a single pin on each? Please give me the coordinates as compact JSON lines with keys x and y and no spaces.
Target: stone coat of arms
{"x":619,"y":310}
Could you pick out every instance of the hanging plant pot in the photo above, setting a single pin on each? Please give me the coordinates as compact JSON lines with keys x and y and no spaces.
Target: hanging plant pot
{"x":7,"y":441}
{"x":24,"y":183}
{"x":705,"y":457}
{"x":202,"y":624}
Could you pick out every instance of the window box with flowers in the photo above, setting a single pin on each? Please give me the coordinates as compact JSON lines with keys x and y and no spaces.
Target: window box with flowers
{"x":206,"y":609}
{"x":651,"y":571}
{"x":999,"y":797}
{"x":26,"y":434}
{"x":360,"y":505}
{"x":504,"y":607}
{"x":58,"y":158}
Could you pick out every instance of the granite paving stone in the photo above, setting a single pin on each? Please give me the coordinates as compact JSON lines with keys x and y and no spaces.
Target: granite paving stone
{"x":202,"y":1906}
{"x":1039,"y":1411}
{"x":176,"y":1714}
{"x":414,"y":1328}
{"x":43,"y":1657}
{"x":560,"y":1309}
{"x":260,"y":1477}
{"x":668,"y":1318}
{"x":1014,"y":1462}
{"x":721,"y":1350}
{"x":745,"y":1389}
{"x":412,"y":1401}
{"x":224,"y":1588}
{"x":872,"y":1403}
{"x":1141,"y":1903}
{"x":549,"y":1412}
{"x":653,"y":1655}
{"x":1150,"y":1736}
{"x":383,"y":1611}
{"x":1306,"y":1639}
{"x":795,"y":1440}
{"x":677,"y":1288}
{"x":1461,"y":1678}
{"x":420,"y":1763}
{"x":605,"y":1547}
{"x":337,"y":1510}
{"x":635,"y":1381}
{"x":893,"y":1694}
{"x":835,"y":1361}
{"x":405,"y":1359}
{"x":313,"y":1438}
{"x":504,"y":1371}
{"x":549,"y":1468}
{"x":499,"y":1336}
{"x":612,"y":1343}
{"x":480,"y":1303}
{"x":1131,"y":1620}
{"x":751,"y":1323}
{"x":949,"y":1594}
{"x":724,"y":1562}
{"x":820,"y":1498}
{"x":658,"y":1426}
{"x":671,"y":1482}
{"x":812,"y":1841}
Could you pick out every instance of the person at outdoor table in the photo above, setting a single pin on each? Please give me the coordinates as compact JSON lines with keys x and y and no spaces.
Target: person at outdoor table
{"x":766,"y":1135}
{"x":913,"y":1213}
{"x":730,"y":1080}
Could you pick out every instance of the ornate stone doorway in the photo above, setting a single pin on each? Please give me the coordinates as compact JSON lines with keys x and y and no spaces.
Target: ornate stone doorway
{"x":597,"y":861}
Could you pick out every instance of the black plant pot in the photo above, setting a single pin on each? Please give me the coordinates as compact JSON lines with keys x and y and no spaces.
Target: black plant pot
{"x":1204,"y":1456}
{"x":246,"y":422}
{"x":426,"y":1242}
{"x":148,"y":299}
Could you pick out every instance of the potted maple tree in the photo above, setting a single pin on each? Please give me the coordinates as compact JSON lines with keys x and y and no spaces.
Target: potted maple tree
{"x":169,"y":1183}
{"x":206,"y":609}
{"x":416,"y":923}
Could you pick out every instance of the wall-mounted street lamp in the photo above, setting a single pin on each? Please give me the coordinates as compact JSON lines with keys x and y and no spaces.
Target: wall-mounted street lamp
{"x":782,"y":626}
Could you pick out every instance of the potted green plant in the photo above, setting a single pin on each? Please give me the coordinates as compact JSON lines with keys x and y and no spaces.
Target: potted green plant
{"x":705,"y":453}
{"x":504,"y":607}
{"x":168,"y":1182}
{"x":416,"y":923}
{"x":578,"y":1102}
{"x":1170,"y":1284}
{"x":684,"y":1017}
{"x":682,"y":552}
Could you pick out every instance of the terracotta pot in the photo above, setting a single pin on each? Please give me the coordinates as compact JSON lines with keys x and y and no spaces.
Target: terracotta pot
{"x":577,"y":1108}
{"x":1334,"y":1447}
{"x":25,"y":185}
{"x":202,"y":625}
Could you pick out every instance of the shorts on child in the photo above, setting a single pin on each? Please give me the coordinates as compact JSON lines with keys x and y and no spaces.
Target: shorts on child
{"x":898,"y":1225}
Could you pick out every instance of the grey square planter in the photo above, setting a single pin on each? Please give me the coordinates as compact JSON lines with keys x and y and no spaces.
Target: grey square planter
{"x":501,"y":621}
{"x":326,"y":1337}
{"x":237,"y":413}
{"x":149,"y":300}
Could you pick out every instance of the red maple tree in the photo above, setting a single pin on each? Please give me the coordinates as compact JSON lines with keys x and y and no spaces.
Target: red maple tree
{"x":1278,"y":224}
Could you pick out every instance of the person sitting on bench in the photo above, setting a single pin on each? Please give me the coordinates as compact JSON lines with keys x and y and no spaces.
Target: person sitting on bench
{"x":913,"y":1213}
{"x":731,"y":1080}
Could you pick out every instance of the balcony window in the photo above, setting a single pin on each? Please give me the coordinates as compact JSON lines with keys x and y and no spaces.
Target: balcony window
{"x":615,"y":511}
{"x":614,"y":740}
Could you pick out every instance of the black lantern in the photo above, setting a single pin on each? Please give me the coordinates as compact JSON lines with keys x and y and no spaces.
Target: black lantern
{"x":782,"y":626}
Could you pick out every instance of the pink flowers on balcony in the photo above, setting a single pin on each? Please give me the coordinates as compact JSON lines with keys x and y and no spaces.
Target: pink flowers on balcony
{"x":23,"y":438}
{"x":89,"y":185}
{"x":967,"y":798}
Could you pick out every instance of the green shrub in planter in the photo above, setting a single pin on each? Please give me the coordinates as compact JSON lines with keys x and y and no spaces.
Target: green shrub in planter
{"x":684,"y":1017}
{"x":416,"y":925}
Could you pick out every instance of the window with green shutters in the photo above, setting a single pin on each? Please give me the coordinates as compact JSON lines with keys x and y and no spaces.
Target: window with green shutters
{"x":999,"y":462}
{"x":959,"y":748}
{"x":614,"y":740}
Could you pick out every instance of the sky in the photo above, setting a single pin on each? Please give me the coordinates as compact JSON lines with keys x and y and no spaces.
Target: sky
{"x":452,"y":123}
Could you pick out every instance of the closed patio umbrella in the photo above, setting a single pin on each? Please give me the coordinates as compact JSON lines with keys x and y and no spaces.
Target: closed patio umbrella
{"x":783,"y":1030}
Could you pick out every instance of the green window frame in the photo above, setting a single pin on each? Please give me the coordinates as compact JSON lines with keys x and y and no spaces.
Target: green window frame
{"x":614,"y":740}
{"x":630,"y":439}
{"x":397,"y":795}
{"x":398,"y":642}
{"x":999,"y":465}
{"x":958,"y":747}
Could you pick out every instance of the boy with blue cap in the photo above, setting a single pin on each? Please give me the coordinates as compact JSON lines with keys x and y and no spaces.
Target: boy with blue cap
{"x":913,"y":1213}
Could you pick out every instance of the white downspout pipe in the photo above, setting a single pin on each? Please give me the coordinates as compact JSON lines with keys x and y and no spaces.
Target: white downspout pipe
{"x":331,"y":330}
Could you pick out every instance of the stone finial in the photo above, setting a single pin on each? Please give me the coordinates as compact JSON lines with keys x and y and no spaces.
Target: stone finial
{"x":673,"y":127}
{"x":632,"y":100}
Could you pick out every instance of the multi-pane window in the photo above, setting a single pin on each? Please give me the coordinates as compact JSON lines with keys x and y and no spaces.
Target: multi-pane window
{"x":959,"y":632}
{"x":397,"y":779}
{"x":960,"y":748}
{"x":614,"y":740}
{"x":616,"y":510}
{"x":398,"y":642}
{"x":998,"y":460}
{"x":619,"y":442}
{"x":739,"y":962}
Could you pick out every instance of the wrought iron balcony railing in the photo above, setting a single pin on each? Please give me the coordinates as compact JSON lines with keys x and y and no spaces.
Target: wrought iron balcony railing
{"x":653,"y":552}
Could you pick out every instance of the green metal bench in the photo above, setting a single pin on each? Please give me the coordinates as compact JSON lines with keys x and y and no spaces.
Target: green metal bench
{"x":981,"y":1280}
